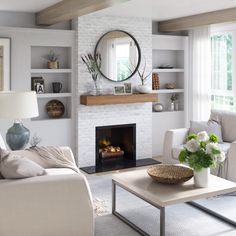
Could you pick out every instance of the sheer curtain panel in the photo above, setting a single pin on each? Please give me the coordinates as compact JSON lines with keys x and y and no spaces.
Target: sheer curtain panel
{"x":200,"y":74}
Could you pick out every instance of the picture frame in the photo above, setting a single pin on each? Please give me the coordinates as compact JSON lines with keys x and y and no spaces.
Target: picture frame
{"x":37,"y":84}
{"x":5,"y":64}
{"x":128,"y":88}
{"x":119,"y":90}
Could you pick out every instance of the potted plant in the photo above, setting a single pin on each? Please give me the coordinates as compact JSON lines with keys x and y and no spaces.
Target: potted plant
{"x":93,"y":64}
{"x":174,"y":104}
{"x":201,"y":152}
{"x":52,"y":60}
{"x":143,"y":87}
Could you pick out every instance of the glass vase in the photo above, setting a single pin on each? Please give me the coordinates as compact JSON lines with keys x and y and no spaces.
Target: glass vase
{"x":96,"y":88}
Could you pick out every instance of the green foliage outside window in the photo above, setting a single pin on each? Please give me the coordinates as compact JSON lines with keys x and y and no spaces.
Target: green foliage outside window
{"x":222,"y":72}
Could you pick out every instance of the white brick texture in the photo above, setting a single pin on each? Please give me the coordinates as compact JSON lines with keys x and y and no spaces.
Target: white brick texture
{"x":90,"y":29}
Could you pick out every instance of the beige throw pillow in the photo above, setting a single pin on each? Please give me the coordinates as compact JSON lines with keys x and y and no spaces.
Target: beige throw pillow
{"x":210,"y":127}
{"x":16,"y":167}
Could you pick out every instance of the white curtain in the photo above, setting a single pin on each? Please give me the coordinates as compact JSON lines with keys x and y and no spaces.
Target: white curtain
{"x":200,"y":74}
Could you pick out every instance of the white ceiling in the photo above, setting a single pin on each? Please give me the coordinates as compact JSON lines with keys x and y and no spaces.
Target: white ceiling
{"x":26,"y":5}
{"x":168,"y":9}
{"x":155,"y":9}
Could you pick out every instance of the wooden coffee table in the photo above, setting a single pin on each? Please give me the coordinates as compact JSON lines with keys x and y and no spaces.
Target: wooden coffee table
{"x":161,"y":195}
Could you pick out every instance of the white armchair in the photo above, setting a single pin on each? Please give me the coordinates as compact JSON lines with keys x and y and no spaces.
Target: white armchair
{"x":58,"y":203}
{"x":231,"y":163}
{"x":175,"y":139}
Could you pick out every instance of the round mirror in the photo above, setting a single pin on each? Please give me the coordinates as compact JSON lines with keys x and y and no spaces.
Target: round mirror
{"x":120,"y":55}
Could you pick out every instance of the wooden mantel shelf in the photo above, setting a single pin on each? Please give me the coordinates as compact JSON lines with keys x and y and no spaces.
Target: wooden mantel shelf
{"x":90,"y":100}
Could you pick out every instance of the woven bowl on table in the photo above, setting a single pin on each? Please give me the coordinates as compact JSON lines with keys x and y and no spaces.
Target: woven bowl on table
{"x":170,"y":174}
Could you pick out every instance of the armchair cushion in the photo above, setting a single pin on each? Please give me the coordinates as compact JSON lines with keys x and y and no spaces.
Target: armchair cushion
{"x":210,"y":126}
{"x":17,"y":167}
{"x":176,"y":151}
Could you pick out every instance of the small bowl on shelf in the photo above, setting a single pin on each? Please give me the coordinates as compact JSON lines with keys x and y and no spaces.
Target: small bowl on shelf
{"x":165,"y":66}
{"x":170,"y":85}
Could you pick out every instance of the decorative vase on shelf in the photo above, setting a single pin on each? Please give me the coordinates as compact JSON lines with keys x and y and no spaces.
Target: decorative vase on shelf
{"x":97,"y":89}
{"x":143,"y":88}
{"x":172,"y":106}
{"x":176,"y":105}
{"x":93,"y":64}
{"x":158,"y":107}
{"x":201,"y":178}
{"x":53,"y":65}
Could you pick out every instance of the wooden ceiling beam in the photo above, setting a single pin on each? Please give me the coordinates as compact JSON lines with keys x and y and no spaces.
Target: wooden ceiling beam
{"x":70,"y":9}
{"x":189,"y":22}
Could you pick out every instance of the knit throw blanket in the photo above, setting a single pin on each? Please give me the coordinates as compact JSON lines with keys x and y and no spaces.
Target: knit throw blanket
{"x":54,"y":156}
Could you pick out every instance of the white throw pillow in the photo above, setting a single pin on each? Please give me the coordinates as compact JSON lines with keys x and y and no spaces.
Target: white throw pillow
{"x":210,"y":127}
{"x":16,"y":167}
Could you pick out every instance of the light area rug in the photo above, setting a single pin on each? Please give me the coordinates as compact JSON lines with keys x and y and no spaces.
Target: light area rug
{"x":181,"y":219}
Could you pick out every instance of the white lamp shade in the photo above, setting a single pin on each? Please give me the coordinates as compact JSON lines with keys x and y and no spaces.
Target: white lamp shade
{"x":18,"y":105}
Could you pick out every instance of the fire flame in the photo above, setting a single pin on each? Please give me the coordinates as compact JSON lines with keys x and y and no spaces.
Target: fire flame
{"x":104,"y":142}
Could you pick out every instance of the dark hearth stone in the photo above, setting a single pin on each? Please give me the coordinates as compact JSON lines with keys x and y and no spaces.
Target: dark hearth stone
{"x":119,"y":165}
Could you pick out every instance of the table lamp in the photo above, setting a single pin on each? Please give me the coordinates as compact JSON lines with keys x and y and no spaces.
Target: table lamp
{"x":17,"y":106}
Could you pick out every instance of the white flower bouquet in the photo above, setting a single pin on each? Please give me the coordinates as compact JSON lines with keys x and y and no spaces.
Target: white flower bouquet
{"x":201,"y":151}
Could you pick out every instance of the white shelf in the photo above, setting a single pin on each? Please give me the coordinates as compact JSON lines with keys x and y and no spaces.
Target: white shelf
{"x":168,"y":91}
{"x":166,"y":111}
{"x":174,"y":70}
{"x":51,"y":119}
{"x":48,"y":71}
{"x":54,"y":95}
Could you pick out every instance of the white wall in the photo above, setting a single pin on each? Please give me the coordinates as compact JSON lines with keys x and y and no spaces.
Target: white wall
{"x":52,"y":132}
{"x":26,"y":20}
{"x":90,"y":29}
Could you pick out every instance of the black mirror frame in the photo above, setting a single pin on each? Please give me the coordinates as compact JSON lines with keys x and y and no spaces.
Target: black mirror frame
{"x":137,"y":45}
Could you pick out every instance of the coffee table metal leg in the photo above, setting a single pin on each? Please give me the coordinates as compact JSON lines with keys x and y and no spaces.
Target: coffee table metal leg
{"x":113,"y":197}
{"x":122,"y":218}
{"x":128,"y":222}
{"x":162,"y":221}
{"x":213,"y":213}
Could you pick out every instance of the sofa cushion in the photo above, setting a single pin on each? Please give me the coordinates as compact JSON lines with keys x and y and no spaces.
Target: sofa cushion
{"x":176,"y":150}
{"x":210,"y":127}
{"x":17,"y":167}
{"x":59,"y":171}
{"x":227,"y":120}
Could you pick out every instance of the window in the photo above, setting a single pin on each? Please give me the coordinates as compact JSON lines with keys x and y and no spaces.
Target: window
{"x":222,"y":92}
{"x":122,"y":60}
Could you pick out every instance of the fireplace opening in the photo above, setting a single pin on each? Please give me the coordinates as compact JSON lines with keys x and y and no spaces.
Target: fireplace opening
{"x":115,"y":146}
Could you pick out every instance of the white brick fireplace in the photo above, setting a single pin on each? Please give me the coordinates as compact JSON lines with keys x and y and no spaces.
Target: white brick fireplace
{"x":90,"y":29}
